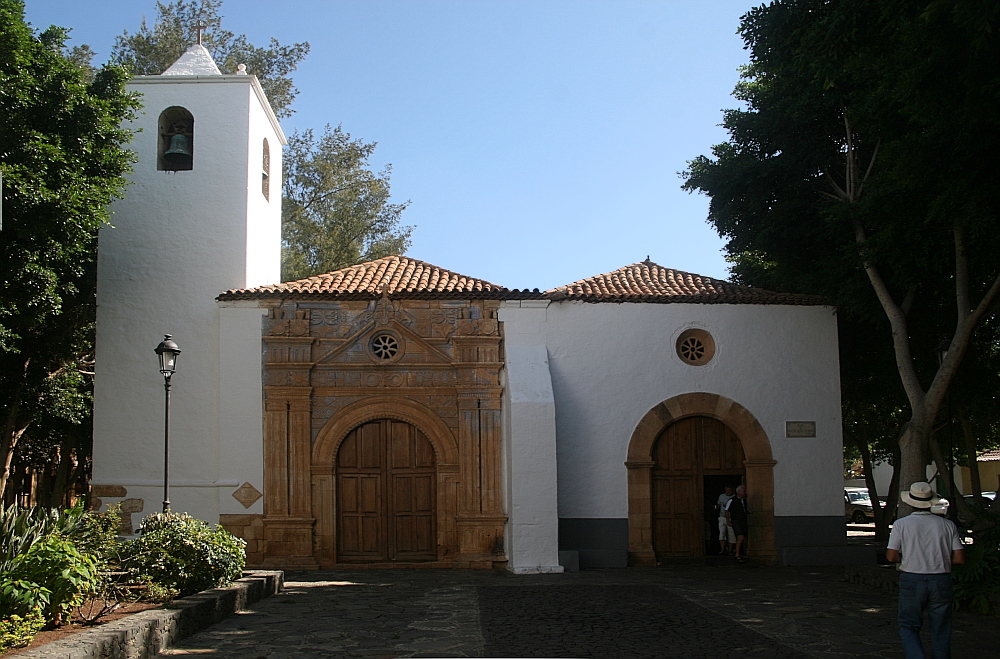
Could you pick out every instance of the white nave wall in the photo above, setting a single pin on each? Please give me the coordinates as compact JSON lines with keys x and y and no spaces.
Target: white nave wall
{"x":611,"y":363}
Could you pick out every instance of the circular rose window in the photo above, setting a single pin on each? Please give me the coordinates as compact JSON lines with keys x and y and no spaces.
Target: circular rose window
{"x":695,"y":347}
{"x":384,"y":346}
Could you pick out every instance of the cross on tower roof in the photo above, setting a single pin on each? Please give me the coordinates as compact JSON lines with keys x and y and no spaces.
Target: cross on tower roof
{"x":201,"y":26}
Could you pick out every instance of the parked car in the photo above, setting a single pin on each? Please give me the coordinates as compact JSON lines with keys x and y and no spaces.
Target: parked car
{"x":989,"y":496}
{"x":858,"y":505}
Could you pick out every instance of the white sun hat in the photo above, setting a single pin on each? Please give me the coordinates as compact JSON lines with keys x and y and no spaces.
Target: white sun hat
{"x":921,"y":495}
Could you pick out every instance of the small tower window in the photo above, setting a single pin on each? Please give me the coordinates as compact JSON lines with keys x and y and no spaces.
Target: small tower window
{"x":175,"y":145}
{"x":265,"y":183}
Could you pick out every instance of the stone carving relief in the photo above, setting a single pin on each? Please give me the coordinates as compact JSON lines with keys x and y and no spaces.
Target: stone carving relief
{"x":441,"y":373}
{"x":478,"y":327}
{"x":287,"y":322}
{"x":383,"y":312}
{"x":291,"y":378}
{"x":327,"y":323}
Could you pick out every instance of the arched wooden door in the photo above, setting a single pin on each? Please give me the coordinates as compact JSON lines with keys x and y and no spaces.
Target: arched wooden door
{"x":386,"y":494}
{"x":684,"y":453}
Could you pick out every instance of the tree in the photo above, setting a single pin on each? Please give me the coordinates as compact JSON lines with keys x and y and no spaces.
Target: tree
{"x":864,"y":168}
{"x":150,"y":51}
{"x":335,"y":211}
{"x":63,"y":162}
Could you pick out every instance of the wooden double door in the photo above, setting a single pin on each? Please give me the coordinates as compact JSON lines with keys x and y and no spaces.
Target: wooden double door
{"x":386,"y":494}
{"x":689,"y":454}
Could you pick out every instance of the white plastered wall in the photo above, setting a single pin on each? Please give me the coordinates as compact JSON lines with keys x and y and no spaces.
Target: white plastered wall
{"x":532,"y":537}
{"x":611,"y":363}
{"x":241,"y":435}
{"x":178,"y":240}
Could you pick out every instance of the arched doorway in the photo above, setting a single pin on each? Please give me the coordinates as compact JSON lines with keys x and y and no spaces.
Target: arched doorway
{"x":758,"y":465}
{"x":386,"y":494}
{"x":690,"y":457}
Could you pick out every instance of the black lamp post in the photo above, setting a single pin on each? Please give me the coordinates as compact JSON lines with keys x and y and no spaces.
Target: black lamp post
{"x":167,"y":351}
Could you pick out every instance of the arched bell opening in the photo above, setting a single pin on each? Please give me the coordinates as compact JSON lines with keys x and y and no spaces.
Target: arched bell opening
{"x":175,"y":140}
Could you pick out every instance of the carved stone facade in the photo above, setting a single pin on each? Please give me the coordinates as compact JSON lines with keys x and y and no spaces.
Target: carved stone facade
{"x":333,"y":366}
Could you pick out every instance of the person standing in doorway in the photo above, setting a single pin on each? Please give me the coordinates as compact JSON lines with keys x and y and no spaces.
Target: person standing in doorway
{"x":736,"y":518}
{"x":727,"y":539}
{"x":926,"y":546}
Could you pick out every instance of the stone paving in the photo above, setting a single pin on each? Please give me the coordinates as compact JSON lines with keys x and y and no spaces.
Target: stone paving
{"x":689,"y":611}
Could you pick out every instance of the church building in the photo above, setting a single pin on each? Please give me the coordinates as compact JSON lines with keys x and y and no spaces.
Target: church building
{"x":396,"y":413}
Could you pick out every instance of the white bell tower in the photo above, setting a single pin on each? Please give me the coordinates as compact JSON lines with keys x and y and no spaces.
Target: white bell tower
{"x":202,"y":215}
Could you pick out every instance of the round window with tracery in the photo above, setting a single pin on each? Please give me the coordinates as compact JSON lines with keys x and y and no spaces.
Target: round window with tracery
{"x":384,"y":346}
{"x":695,"y":347}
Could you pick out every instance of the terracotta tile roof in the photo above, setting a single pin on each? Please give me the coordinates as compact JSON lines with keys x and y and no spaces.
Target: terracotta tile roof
{"x":403,"y":277}
{"x":989,"y":456}
{"x":397,"y":276}
{"x":649,"y":282}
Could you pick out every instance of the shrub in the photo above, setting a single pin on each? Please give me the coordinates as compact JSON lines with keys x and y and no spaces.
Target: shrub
{"x":20,"y":528}
{"x":174,"y":550}
{"x":97,"y":534}
{"x":17,"y":631}
{"x":979,"y":577}
{"x":53,"y":575}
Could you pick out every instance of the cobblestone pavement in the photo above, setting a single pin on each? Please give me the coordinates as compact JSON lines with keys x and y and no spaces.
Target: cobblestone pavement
{"x":691,"y":611}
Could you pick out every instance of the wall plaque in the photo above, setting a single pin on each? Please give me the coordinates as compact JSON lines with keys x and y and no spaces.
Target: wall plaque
{"x":800,"y":428}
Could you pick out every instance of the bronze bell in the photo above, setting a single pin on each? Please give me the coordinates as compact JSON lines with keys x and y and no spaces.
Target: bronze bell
{"x":179,"y":152}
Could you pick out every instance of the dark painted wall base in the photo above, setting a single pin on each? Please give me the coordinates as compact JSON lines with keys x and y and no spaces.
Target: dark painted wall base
{"x":599,"y":542}
{"x":800,"y":540}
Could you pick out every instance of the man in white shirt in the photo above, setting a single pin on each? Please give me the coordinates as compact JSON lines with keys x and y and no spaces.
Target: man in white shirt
{"x":927,"y":546}
{"x":727,"y":539}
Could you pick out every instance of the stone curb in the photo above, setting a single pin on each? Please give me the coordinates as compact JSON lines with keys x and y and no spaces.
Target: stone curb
{"x":146,"y":633}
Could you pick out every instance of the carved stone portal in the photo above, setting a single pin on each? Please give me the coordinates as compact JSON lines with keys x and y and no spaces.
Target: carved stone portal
{"x":370,"y":370}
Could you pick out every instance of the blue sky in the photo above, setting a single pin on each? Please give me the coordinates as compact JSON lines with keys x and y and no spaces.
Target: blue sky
{"x":539,"y":142}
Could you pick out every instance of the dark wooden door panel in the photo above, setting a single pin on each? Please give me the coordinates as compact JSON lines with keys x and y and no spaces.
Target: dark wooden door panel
{"x":386,"y":494}
{"x":683,"y":453}
{"x":361,"y":534}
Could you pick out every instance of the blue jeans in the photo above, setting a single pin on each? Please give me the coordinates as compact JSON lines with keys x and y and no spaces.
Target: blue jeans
{"x":918,"y":592}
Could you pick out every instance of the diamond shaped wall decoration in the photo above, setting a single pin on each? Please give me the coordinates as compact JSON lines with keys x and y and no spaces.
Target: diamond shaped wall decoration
{"x":247,"y":494}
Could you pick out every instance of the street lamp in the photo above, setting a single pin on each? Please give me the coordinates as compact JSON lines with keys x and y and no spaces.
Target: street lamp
{"x":167,"y":352}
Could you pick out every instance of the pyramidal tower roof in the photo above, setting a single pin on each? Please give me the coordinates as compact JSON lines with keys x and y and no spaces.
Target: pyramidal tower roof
{"x":196,"y":61}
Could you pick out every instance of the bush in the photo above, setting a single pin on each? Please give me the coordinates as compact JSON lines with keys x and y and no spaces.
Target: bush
{"x":979,"y":577}
{"x":20,"y":528}
{"x":17,"y":631}
{"x":174,"y":550}
{"x":53,"y":575}
{"x":42,"y":572}
{"x":98,"y":535}
{"x":59,"y":569}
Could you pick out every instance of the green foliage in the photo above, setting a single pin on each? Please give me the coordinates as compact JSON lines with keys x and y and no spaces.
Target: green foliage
{"x":21,"y":528}
{"x":905,"y":92}
{"x":22,"y":596}
{"x":979,"y":578}
{"x":53,"y":569}
{"x":154,"y":592}
{"x":17,"y":631}
{"x":174,"y":550}
{"x":98,"y":535}
{"x":62,"y":160}
{"x":335,"y":211}
{"x":150,"y":51}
